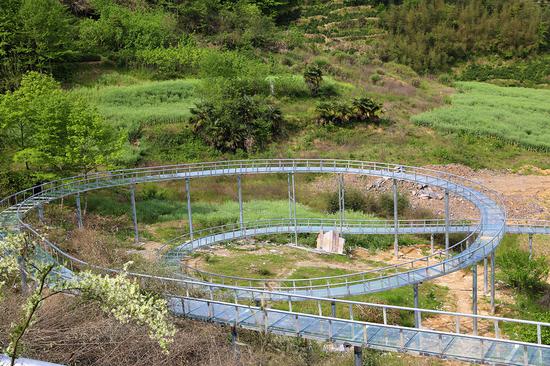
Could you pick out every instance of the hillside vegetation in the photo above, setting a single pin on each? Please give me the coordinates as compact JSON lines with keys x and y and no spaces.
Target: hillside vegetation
{"x":516,"y":115}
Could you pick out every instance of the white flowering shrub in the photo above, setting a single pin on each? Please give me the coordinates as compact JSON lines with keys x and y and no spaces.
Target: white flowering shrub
{"x":10,"y":247}
{"x":123,"y":298}
{"x":117,"y":295}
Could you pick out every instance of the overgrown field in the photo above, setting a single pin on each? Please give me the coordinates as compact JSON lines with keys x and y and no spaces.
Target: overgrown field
{"x":516,"y":115}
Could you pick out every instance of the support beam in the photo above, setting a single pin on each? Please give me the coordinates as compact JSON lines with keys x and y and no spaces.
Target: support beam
{"x":292,"y":205}
{"x":189,"y":212}
{"x":530,"y":246}
{"x":78,"y":212}
{"x":485,"y":277}
{"x":432,"y":241}
{"x":447,"y":213}
{"x":493,"y":283}
{"x":41,"y":213}
{"x":234,"y":340}
{"x":416,"y":313}
{"x":134,"y":212}
{"x":357,"y":356}
{"x":474,"y":296}
{"x":341,"y":200}
{"x":240,"y":196}
{"x":395,"y":220}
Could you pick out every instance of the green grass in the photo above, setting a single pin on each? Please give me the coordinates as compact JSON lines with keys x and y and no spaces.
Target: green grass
{"x":147,"y":102}
{"x":515,"y":115}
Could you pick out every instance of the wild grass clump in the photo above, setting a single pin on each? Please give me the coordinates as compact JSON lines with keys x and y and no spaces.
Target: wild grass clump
{"x":514,"y":115}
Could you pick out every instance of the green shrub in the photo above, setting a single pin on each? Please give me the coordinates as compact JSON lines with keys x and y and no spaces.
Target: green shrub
{"x":234,"y":120}
{"x":520,"y":272}
{"x":354,"y":201}
{"x":341,"y":113}
{"x":313,"y":76}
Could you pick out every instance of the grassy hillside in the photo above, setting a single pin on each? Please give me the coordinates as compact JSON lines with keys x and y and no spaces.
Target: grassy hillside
{"x":516,"y":115}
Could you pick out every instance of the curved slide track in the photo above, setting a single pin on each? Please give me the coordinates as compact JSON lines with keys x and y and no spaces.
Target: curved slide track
{"x":287,"y":310}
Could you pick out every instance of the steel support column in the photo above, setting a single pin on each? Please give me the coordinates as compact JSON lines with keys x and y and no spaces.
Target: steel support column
{"x":240,"y":196}
{"x":357,"y":356}
{"x":474,"y":296}
{"x":416,"y":313}
{"x":447,"y":222}
{"x":485,"y":277}
{"x":493,"y":283}
{"x":134,"y":212}
{"x":234,"y":340}
{"x":41,"y":213}
{"x":78,"y":212}
{"x":530,"y":246}
{"x":395,"y":220}
{"x":292,"y":205}
{"x":341,"y":200}
{"x":189,"y":212}
{"x":432,"y":241}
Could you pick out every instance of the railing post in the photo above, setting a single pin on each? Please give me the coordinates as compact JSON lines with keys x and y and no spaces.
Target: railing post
{"x":447,"y":221}
{"x":530,"y":246}
{"x":78,"y":212}
{"x":134,"y":212}
{"x":395,"y":220}
{"x":189,"y":212}
{"x":432,"y":239}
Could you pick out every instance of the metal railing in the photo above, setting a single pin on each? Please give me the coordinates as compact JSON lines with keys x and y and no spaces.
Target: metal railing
{"x":492,"y":215}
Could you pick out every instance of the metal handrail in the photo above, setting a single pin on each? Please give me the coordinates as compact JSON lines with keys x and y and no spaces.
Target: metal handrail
{"x":131,"y":176}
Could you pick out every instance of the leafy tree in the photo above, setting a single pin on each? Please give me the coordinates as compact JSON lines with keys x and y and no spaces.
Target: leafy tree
{"x":313,"y":76}
{"x":53,"y":132}
{"x":118,"y":295}
{"x":120,"y":31}
{"x":34,"y":35}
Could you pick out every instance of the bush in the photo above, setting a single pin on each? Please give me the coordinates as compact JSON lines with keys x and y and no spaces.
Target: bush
{"x":313,"y":76}
{"x":520,"y":272}
{"x":379,"y":205}
{"x":341,"y":113}
{"x":354,"y":201}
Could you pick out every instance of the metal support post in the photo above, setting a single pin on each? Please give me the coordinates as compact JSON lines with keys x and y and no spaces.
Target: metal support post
{"x":493,"y":283}
{"x":240,"y":195}
{"x":357,"y":356}
{"x":416,"y":313}
{"x":78,"y":212}
{"x":21,"y":264}
{"x":395,"y":220}
{"x":333,"y":309}
{"x":446,"y":222}
{"x":474,"y":296}
{"x":530,"y":246}
{"x":234,"y":339}
{"x":485,"y":277}
{"x":41,"y":213}
{"x":134,"y":212}
{"x":292,"y":205}
{"x":341,"y":200}
{"x":189,"y":212}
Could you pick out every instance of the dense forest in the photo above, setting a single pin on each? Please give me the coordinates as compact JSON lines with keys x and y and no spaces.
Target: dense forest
{"x":239,"y":63}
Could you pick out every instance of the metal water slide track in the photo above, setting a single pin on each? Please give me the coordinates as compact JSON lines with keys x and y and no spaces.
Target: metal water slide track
{"x":207,"y":301}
